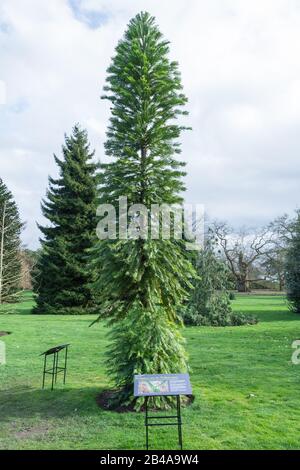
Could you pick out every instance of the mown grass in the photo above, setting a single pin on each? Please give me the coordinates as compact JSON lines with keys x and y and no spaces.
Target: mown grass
{"x":246,"y":388}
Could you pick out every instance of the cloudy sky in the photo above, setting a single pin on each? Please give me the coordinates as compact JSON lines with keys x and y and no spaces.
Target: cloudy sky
{"x":240,"y":64}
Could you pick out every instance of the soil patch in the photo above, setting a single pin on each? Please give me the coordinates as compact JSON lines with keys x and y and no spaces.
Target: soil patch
{"x":106,"y":401}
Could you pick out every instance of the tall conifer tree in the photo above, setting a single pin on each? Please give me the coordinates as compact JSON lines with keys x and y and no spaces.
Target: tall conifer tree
{"x":142,"y":281}
{"x":63,"y":282}
{"x":10,"y":244}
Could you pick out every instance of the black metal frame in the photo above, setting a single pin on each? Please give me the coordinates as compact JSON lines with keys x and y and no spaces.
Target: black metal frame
{"x":178,"y":422}
{"x":56,"y":369}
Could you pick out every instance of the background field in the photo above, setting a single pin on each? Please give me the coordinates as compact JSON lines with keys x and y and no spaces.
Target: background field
{"x":246,"y":388}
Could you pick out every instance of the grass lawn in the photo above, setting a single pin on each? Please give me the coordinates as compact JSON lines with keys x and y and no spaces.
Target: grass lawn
{"x":246,"y":388}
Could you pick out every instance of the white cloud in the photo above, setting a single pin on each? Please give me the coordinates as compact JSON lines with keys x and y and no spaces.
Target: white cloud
{"x":240,"y":64}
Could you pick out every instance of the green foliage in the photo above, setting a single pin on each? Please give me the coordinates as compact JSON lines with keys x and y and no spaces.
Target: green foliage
{"x":210,"y":300}
{"x":231,"y":295}
{"x":142,"y":281}
{"x":10,"y":245}
{"x":293,"y":267}
{"x":62,"y":281}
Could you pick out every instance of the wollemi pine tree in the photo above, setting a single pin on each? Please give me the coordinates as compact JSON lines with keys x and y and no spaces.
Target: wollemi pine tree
{"x":142,"y":280}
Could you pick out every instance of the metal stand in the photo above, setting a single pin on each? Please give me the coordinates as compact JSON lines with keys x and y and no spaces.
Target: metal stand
{"x":55,"y":369}
{"x":177,"y":423}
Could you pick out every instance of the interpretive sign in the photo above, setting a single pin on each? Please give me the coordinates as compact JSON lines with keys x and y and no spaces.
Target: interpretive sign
{"x":55,"y":369}
{"x":162,"y":384}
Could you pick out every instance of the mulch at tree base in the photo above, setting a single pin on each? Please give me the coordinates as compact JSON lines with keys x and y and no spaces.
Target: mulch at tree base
{"x":106,"y":401}
{"x":4,"y":333}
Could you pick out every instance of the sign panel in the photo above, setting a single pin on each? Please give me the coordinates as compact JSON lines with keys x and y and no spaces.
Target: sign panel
{"x":162,"y":384}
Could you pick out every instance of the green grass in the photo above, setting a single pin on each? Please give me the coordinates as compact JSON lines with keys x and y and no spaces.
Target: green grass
{"x":246,"y":388}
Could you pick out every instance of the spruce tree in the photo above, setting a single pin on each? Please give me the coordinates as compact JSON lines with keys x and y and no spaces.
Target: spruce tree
{"x":143,"y":281}
{"x":62,"y":281}
{"x":10,"y":245}
{"x":293,"y":267}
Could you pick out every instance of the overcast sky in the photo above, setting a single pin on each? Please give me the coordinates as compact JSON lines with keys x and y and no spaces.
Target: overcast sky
{"x":240,"y":64}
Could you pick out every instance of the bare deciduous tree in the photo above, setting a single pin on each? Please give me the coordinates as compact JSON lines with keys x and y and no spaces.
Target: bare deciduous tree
{"x":273,"y":265}
{"x":28,"y":263}
{"x":274,"y":262}
{"x":242,"y":250}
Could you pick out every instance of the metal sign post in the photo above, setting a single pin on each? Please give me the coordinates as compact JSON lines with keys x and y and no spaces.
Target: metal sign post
{"x":55,"y":369}
{"x":162,"y":385}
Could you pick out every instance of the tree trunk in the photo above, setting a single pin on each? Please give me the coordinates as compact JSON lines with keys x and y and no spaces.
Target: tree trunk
{"x":281,"y":283}
{"x":243,"y":276}
{"x":243,"y":284}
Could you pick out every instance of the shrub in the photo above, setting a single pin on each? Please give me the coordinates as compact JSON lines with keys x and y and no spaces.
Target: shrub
{"x":209,"y":304}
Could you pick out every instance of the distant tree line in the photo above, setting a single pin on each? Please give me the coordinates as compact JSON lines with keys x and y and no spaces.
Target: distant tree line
{"x":256,"y":258}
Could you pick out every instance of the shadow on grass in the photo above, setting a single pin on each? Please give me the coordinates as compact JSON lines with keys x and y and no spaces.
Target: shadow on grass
{"x":274,"y":316}
{"x":25,"y":402}
{"x":24,"y":307}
